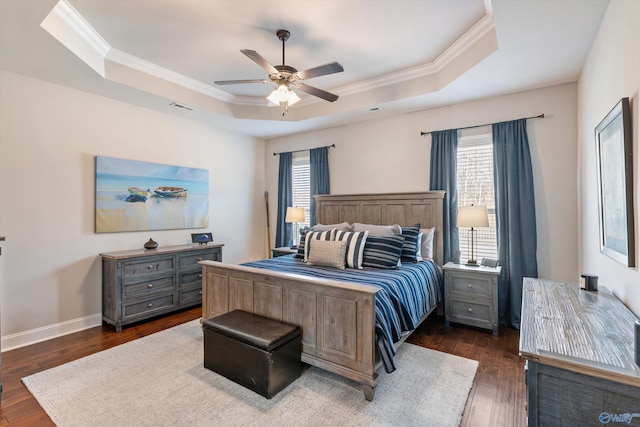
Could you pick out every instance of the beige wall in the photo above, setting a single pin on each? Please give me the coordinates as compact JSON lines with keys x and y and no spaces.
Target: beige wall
{"x":50,"y":275}
{"x":611,"y":72}
{"x":389,"y":155}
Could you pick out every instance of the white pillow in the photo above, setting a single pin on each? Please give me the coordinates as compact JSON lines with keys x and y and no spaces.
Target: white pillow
{"x":345,"y":226}
{"x":378,"y":230}
{"x":425,"y":249}
{"x":328,"y":253}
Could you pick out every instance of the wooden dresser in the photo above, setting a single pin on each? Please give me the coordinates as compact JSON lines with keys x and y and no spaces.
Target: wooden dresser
{"x":140,"y":284}
{"x":579,"y":353}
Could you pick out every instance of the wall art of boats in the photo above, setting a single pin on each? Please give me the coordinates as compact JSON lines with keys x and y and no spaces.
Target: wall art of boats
{"x":175,"y":192}
{"x":137,"y":195}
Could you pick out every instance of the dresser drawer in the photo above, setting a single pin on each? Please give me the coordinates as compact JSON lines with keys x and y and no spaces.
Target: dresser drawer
{"x":148,"y":287}
{"x":190,"y":297}
{"x":143,"y":308}
{"x":191,"y":278}
{"x":131,"y":270}
{"x":464,"y":310}
{"x":192,"y":260}
{"x":471,"y":285}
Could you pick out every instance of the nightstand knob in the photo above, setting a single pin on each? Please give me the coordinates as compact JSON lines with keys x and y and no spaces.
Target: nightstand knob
{"x":469,"y":285}
{"x":150,"y":266}
{"x":199,"y":258}
{"x":150,"y":285}
{"x":470,"y":310}
{"x":150,"y":305}
{"x":200,"y":276}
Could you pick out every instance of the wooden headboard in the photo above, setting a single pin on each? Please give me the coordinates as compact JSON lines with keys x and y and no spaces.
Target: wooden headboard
{"x":405,"y":209}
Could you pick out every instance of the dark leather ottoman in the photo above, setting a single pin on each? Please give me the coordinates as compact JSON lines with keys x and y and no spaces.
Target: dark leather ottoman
{"x":259,"y":353}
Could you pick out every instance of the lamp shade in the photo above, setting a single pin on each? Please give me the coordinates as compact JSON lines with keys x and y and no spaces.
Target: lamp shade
{"x":294,"y":214}
{"x":473,"y":216}
{"x":281,"y":95}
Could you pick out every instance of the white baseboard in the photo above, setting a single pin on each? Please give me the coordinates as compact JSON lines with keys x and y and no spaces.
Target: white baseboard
{"x":45,"y":333}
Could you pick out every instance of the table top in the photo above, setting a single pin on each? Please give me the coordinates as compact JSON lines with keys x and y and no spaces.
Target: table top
{"x":286,"y":249}
{"x":589,"y":332}
{"x":159,"y":251}
{"x":472,"y":269}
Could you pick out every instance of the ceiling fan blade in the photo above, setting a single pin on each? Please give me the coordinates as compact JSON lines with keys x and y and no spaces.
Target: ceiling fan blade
{"x":322,"y":70}
{"x":315,"y":91}
{"x":259,"y":59}
{"x":235,"y":82}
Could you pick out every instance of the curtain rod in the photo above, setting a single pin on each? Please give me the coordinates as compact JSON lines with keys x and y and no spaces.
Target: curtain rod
{"x":540,"y":116}
{"x":297,"y":151}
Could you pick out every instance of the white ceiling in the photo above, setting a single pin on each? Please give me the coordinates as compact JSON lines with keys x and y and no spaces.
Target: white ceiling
{"x":398,"y":55}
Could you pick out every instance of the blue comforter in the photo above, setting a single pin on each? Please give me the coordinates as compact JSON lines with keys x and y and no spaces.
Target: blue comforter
{"x":405,"y":295}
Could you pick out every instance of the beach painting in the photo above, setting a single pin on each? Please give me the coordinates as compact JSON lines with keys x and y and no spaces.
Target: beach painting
{"x":138,"y":196}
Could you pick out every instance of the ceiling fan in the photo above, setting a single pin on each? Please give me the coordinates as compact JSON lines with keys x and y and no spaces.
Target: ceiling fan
{"x":285,"y":76}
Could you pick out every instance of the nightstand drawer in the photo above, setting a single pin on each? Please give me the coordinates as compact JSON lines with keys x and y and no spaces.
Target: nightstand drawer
{"x":471,"y":285}
{"x":463,"y":310}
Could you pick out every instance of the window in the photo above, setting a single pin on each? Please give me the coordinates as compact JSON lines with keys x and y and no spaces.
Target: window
{"x":475,"y":186}
{"x":301,"y":184}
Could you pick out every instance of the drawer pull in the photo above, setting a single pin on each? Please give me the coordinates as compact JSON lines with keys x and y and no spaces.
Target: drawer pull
{"x":150,"y":285}
{"x":470,"y":310}
{"x":200,"y":293}
{"x":200,"y":276}
{"x":199,"y":258}
{"x":469,"y":285}
{"x":150,"y":305}
{"x":150,"y":266}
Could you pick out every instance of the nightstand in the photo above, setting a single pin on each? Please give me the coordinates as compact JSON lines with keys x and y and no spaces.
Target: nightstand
{"x":285,"y":250}
{"x":471,"y":295}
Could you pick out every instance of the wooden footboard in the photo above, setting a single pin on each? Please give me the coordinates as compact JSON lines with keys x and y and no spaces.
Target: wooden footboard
{"x":337,"y":318}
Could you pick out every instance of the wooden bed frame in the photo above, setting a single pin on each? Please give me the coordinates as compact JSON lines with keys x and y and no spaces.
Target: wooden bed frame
{"x":337,"y":318}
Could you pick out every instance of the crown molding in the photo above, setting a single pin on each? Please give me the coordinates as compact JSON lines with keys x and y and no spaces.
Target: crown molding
{"x":69,"y":27}
{"x":458,"y":48}
{"x":155,"y":70}
{"x":73,"y":31}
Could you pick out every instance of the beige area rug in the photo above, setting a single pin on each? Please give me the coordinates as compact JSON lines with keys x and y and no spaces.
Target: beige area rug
{"x":160,"y":380}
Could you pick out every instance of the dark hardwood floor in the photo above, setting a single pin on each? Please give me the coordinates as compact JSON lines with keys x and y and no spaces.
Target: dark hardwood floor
{"x":498,"y":395}
{"x":496,"y":399}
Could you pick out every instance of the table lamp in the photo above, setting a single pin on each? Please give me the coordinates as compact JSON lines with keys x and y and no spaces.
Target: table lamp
{"x":473,"y":216}
{"x":295,"y":215}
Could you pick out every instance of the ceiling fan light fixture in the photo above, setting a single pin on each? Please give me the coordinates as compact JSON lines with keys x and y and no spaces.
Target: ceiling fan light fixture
{"x":284,"y":75}
{"x":282,"y":92}
{"x":283,"y":96}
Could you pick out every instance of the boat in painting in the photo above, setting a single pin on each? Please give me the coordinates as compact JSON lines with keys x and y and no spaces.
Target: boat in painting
{"x":137,"y":195}
{"x":175,"y":192}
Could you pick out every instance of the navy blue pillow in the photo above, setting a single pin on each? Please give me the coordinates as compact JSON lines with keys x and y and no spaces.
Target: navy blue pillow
{"x":382,"y":251}
{"x":411,"y":240}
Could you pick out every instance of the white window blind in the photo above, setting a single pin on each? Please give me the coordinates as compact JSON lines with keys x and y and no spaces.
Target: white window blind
{"x":301,"y":177}
{"x":475,"y":186}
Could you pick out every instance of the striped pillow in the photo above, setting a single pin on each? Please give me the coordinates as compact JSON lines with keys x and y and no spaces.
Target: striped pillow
{"x":383,"y":251}
{"x":316,"y":235}
{"x":355,"y":246}
{"x":410,"y":247}
{"x":303,"y":237}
